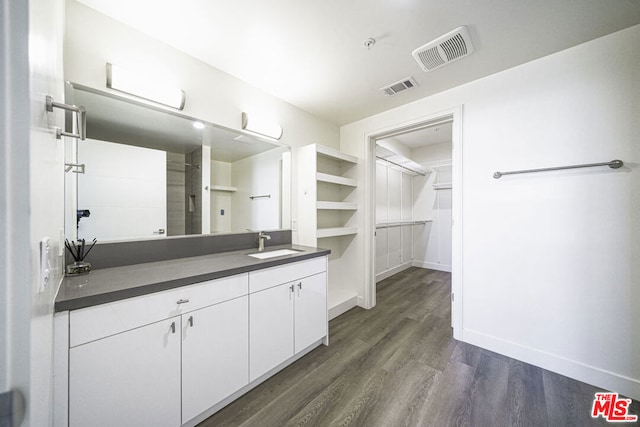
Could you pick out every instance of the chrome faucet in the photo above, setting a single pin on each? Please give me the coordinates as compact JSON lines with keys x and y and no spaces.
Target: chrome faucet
{"x":261,"y":239}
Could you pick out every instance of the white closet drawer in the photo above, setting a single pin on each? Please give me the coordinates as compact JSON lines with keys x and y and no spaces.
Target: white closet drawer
{"x":92,"y":323}
{"x":270,"y":277}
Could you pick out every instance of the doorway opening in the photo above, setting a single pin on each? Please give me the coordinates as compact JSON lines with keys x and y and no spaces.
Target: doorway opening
{"x":415,"y":202}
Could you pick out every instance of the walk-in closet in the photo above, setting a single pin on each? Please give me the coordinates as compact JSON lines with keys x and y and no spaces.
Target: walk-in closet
{"x":413,"y":200}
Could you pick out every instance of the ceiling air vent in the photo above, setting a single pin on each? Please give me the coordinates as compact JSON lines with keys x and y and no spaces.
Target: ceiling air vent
{"x":400,"y":86}
{"x":445,"y":49}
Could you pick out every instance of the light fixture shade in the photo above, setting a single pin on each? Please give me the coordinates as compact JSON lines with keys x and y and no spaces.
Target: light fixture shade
{"x":123,"y":80}
{"x":261,"y":127}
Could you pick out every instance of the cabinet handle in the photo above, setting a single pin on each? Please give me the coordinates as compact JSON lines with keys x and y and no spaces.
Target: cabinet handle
{"x":291,"y":288}
{"x":299,"y":288}
{"x":173,"y":327}
{"x":190,"y":321}
{"x":183,"y":301}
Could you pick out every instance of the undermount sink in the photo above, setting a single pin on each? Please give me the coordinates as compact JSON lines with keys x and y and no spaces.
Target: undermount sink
{"x":273,"y":254}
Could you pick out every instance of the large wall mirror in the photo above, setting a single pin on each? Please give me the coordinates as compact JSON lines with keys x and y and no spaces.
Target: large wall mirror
{"x":145,"y":172}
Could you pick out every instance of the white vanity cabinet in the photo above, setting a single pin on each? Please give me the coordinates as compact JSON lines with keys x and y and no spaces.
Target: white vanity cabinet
{"x":128,"y":379}
{"x":215,"y":355}
{"x":174,"y":357}
{"x":159,"y":359}
{"x":288,"y":313}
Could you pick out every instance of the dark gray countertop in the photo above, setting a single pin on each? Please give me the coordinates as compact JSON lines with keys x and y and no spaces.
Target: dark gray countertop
{"x":117,"y":283}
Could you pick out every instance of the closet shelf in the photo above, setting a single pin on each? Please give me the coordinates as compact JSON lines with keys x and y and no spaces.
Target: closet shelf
{"x":223,"y":188}
{"x":443,"y":186}
{"x":337,"y":231}
{"x":443,"y":167}
{"x":339,"y":206}
{"x":335,"y":179}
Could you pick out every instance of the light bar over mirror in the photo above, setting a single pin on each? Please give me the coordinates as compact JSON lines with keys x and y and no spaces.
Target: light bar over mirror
{"x":126,"y":81}
{"x":261,"y":127}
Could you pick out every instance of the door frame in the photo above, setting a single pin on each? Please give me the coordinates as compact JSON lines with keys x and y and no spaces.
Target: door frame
{"x":454,"y":114}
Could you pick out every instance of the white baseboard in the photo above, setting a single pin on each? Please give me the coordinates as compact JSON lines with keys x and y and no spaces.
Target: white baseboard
{"x":343,"y":307}
{"x":392,"y":271}
{"x":432,"y":266}
{"x":629,"y":387}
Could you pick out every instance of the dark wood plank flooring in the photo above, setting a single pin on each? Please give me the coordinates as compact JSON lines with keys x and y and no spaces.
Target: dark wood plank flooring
{"x":397,"y":365}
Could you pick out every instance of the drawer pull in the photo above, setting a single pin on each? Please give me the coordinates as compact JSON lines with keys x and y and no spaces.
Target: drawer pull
{"x":173,"y":327}
{"x":190,"y":321}
{"x":183,"y":301}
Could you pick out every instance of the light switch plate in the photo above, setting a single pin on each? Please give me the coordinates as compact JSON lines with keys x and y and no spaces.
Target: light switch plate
{"x":45,"y":266}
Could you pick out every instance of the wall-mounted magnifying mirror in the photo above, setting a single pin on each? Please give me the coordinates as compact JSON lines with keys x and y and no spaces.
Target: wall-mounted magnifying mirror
{"x":148,"y":173}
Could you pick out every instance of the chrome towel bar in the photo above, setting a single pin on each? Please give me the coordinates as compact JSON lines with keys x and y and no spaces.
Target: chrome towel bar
{"x":613,"y":164}
{"x":81,"y":117}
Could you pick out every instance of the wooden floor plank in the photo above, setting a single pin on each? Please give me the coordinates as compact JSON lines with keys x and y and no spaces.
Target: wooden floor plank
{"x":398,"y":365}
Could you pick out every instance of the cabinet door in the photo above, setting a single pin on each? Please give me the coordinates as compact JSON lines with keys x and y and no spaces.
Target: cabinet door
{"x":128,"y":379}
{"x":270,"y":329}
{"x":310,"y":310}
{"x":215,"y":354}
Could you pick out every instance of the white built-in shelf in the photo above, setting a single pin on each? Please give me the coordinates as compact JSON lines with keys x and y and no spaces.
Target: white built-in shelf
{"x":339,"y":206}
{"x":443,"y":186}
{"x":447,"y":166}
{"x":335,"y":154}
{"x":223,"y":188}
{"x":335,"y":179}
{"x":337,"y":231}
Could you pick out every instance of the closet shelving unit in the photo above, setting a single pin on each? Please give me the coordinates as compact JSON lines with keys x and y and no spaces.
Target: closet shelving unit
{"x":443,"y":169}
{"x":327,"y":206}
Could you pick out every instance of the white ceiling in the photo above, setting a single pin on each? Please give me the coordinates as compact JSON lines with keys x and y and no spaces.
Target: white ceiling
{"x":311,"y":53}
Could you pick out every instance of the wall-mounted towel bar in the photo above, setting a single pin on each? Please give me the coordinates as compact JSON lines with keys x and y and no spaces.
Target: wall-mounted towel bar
{"x":81,"y":118}
{"x":613,"y":164}
{"x":79,"y":168}
{"x":266,"y":196}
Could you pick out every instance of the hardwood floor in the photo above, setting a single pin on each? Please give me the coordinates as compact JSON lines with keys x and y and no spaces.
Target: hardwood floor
{"x":397,"y":365}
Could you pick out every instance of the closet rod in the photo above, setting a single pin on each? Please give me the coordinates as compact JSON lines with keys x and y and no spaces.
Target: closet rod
{"x":399,"y":165}
{"x":182,"y":164}
{"x":613,"y":164}
{"x":401,"y":223}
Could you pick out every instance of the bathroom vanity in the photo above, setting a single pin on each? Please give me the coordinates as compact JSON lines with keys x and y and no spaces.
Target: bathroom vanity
{"x":169,"y":343}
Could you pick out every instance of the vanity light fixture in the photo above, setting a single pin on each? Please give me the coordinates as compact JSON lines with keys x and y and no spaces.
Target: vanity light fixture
{"x":124,"y":80}
{"x":261,"y":127}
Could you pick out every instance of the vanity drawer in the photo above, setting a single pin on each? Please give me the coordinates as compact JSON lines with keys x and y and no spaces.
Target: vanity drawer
{"x":92,"y":323}
{"x":270,"y":277}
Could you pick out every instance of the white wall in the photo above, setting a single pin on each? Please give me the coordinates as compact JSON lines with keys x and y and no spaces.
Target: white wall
{"x":92,"y":40}
{"x":15,"y":245}
{"x":550,"y":266}
{"x":46,"y":195}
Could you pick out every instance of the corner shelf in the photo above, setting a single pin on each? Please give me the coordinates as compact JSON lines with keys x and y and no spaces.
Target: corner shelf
{"x":335,"y":232}
{"x":335,"y":154}
{"x":335,"y":179}
{"x":338,"y":206}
